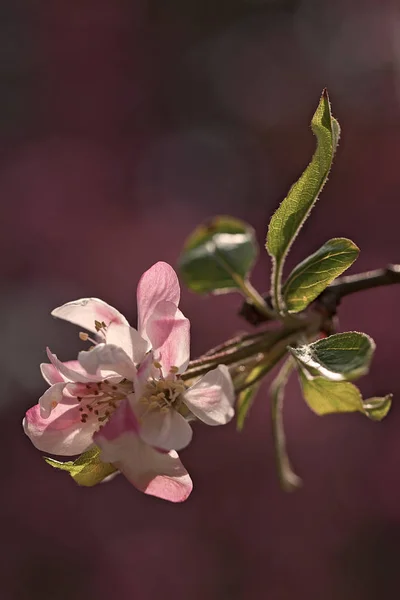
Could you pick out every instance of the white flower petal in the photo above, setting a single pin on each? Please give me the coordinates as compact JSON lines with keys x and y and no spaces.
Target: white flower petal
{"x":128,"y":339}
{"x":85,"y":311}
{"x":165,"y":430}
{"x":109,"y":360}
{"x":51,"y":398}
{"x":76,"y":376}
{"x":52,"y":375}
{"x":211,"y":399}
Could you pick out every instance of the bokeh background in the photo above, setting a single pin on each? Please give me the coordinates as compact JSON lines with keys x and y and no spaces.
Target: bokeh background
{"x":123,"y":124}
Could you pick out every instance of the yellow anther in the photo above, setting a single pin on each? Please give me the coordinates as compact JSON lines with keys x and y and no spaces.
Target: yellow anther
{"x":173,"y":370}
{"x":83,"y":336}
{"x":157,"y":364}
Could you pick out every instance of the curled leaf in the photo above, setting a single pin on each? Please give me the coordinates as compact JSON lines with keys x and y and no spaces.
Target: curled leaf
{"x":87,"y":470}
{"x":288,"y":219}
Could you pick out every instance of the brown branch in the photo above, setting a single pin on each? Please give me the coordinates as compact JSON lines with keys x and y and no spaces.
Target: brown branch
{"x":350,"y":284}
{"x":330,"y":298}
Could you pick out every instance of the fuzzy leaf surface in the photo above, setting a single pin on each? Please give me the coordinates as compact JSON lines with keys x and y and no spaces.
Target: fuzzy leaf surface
{"x":288,"y":219}
{"x":310,"y":277}
{"x":338,"y":357}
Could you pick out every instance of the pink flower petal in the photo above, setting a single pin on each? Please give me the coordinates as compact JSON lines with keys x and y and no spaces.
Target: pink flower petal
{"x":51,"y":398}
{"x":69,"y":373}
{"x":211,"y":399}
{"x":157,"y":284}
{"x":52,"y":375}
{"x":62,"y":433}
{"x":144,"y":371}
{"x":86,"y":311}
{"x":107,"y":360}
{"x":165,"y":430}
{"x":155,"y":473}
{"x":169,"y":334}
{"x":128,"y":339}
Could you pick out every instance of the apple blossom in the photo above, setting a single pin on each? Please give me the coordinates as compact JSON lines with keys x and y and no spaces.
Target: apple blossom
{"x":125,"y":394}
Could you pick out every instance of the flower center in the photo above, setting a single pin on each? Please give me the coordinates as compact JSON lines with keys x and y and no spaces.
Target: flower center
{"x":101,"y":399}
{"x":163,"y":394}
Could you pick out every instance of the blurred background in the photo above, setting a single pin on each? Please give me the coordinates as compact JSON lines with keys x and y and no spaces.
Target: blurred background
{"x":123,"y":124}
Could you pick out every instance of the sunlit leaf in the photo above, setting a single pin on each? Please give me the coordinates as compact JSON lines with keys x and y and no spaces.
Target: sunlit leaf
{"x":338,"y":357}
{"x":87,"y":470}
{"x":218,"y":255}
{"x":377,"y":408}
{"x":324,"y":396}
{"x":316,"y":272}
{"x":295,"y":208}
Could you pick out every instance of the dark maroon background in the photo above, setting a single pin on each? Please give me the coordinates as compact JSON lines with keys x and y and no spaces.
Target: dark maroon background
{"x":122,"y":126}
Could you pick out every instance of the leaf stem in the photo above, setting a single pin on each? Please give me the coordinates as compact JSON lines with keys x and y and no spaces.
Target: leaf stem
{"x":255,"y":297}
{"x":245,"y":286}
{"x":288,"y":479}
{"x":235,"y":341}
{"x":277,"y":286}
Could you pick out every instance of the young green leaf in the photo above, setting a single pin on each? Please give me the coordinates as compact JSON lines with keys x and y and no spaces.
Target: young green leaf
{"x":295,"y":208}
{"x":338,"y":357}
{"x":218,"y":256}
{"x":377,"y":408}
{"x":316,"y":272}
{"x":324,"y":396}
{"x":87,"y":469}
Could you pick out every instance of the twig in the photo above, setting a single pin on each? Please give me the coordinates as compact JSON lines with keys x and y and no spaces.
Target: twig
{"x":271,"y":341}
{"x":350,"y":284}
{"x":330,"y":298}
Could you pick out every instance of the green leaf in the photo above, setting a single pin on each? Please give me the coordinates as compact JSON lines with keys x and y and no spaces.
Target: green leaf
{"x":316,"y":272}
{"x":324,"y":396}
{"x":338,"y":357}
{"x":87,"y":470}
{"x":244,"y":403}
{"x":288,"y":479}
{"x":218,"y":256}
{"x":295,"y":208}
{"x":246,"y":397}
{"x":377,"y":408}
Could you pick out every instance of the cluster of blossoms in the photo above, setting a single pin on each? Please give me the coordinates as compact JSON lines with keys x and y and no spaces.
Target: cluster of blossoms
{"x":125,"y":394}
